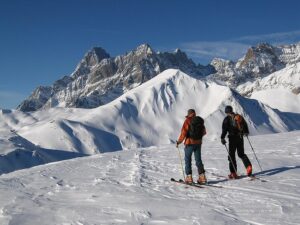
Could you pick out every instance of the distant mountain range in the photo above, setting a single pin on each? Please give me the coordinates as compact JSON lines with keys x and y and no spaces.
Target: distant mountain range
{"x":99,"y":78}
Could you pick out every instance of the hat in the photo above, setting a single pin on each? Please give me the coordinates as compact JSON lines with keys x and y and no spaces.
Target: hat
{"x":228,"y":109}
{"x":190,"y":111}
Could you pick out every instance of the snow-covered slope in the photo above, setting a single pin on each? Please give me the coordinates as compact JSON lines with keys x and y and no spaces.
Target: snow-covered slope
{"x":17,"y":152}
{"x":133,"y":187}
{"x":279,"y":90}
{"x":149,"y":115}
{"x":279,"y":98}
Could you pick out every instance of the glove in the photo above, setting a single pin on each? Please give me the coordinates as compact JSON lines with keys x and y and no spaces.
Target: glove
{"x":177,"y":144}
{"x":223,"y":141}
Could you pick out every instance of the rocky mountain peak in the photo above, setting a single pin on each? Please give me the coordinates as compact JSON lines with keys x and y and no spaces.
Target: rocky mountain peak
{"x":144,"y":49}
{"x":259,"y":61}
{"x":94,"y":56}
{"x":180,"y":54}
{"x":218,"y":63}
{"x":90,"y":59}
{"x":99,"y":78}
{"x":260,"y":54}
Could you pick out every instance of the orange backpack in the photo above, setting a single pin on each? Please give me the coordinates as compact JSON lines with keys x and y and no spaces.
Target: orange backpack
{"x":238,"y":122}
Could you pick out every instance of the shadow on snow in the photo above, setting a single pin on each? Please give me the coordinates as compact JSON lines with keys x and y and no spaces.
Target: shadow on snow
{"x":26,"y":154}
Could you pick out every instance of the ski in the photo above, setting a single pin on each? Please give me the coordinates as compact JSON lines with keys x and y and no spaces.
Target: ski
{"x":250,"y":178}
{"x":182,"y":182}
{"x":253,"y":177}
{"x":196,"y":184}
{"x":212,"y":185}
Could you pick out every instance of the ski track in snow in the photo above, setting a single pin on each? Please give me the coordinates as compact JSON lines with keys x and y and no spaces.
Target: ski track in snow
{"x":133,"y":187}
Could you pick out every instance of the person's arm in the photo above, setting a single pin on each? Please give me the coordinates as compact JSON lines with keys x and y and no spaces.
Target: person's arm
{"x":184,"y":131}
{"x":204,"y":131}
{"x":245,"y":127}
{"x":225,"y":128}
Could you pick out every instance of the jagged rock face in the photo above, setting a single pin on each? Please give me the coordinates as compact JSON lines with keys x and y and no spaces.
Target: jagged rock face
{"x":287,"y":79}
{"x":99,"y":79}
{"x":92,"y":58}
{"x":290,"y":54}
{"x":258,"y":62}
{"x":38,"y":98}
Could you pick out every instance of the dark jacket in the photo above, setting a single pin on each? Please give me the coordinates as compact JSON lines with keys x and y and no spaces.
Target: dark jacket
{"x":227,"y":126}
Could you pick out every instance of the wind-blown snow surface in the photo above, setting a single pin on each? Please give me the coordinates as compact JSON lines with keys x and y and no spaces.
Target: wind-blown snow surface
{"x":133,"y":187}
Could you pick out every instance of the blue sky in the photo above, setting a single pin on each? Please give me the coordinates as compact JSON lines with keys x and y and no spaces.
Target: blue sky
{"x":42,"y":40}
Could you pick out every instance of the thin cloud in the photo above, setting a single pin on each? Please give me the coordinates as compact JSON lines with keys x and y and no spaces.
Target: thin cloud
{"x":273,"y":38}
{"x":233,"y":49}
{"x":208,"y":50}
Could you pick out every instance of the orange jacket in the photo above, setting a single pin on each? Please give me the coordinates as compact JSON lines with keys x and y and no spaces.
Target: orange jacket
{"x":184,"y":131}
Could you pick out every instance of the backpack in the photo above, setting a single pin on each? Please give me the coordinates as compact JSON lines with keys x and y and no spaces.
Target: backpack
{"x":196,"y":128}
{"x":237,"y":121}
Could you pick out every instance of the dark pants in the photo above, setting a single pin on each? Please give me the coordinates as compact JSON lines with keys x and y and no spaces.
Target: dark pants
{"x":236,"y":143}
{"x":188,"y":151}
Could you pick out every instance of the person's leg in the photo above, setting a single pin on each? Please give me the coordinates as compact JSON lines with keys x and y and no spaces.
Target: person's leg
{"x":199,"y":164}
{"x":198,"y":159}
{"x":243,"y":156}
{"x":188,"y":151}
{"x":231,"y":156}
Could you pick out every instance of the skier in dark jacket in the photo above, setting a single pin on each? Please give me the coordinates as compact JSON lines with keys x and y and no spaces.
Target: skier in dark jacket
{"x":236,"y":142}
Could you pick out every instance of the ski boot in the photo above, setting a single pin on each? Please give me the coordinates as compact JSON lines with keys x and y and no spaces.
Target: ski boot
{"x":249,"y":171}
{"x":233,"y":175}
{"x":189,"y":179}
{"x":202,"y":179}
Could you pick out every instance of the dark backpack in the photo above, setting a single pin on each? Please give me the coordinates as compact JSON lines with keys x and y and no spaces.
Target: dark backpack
{"x":196,"y":128}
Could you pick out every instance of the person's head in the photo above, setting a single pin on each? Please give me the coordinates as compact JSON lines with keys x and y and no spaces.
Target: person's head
{"x":228,"y":109}
{"x":190,"y":112}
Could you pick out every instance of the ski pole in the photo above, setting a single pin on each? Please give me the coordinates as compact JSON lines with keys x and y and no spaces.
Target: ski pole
{"x":181,"y":162}
{"x":230,"y":159}
{"x":254,"y":153}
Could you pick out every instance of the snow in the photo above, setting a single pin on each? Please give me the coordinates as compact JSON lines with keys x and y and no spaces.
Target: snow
{"x":280,"y":98}
{"x":148,"y":115}
{"x":277,"y":89}
{"x":133,"y":187}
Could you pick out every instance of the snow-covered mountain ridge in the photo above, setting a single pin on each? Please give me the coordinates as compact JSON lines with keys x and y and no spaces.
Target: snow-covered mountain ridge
{"x":288,"y":78}
{"x":100,"y":78}
{"x":258,"y":62}
{"x":149,"y":115}
{"x":279,"y":90}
